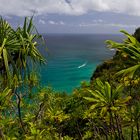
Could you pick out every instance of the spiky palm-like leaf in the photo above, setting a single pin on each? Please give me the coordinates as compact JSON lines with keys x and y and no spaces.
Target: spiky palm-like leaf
{"x":18,"y":50}
{"x":131,"y":47}
{"x":105,"y":98}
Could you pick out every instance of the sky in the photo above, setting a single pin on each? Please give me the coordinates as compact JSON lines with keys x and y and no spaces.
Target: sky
{"x":74,"y":16}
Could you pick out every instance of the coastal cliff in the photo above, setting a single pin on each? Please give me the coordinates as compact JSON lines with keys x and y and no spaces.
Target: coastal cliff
{"x":120,"y":61}
{"x":107,"y":69}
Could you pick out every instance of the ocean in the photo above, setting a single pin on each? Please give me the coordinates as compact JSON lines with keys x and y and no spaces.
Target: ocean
{"x":72,"y":58}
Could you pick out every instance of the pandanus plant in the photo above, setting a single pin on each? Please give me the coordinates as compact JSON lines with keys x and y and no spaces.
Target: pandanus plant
{"x":18,"y":50}
{"x":18,"y":57}
{"x":108,"y":102}
{"x":131,"y":48}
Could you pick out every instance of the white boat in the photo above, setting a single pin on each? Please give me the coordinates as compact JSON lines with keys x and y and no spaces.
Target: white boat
{"x":83,"y":65}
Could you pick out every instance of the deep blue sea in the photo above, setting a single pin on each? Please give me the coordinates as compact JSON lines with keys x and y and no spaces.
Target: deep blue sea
{"x":72,"y":58}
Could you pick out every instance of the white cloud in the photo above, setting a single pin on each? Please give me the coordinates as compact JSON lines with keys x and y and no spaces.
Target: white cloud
{"x":97,"y":21}
{"x":122,"y":25}
{"x":61,"y":23}
{"x":108,"y":24}
{"x":41,"y":21}
{"x":52,"y":22}
{"x":56,"y":23}
{"x":70,"y":7}
{"x":7,"y":17}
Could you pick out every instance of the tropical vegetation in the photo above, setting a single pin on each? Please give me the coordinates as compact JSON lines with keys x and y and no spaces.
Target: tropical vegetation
{"x":107,"y":108}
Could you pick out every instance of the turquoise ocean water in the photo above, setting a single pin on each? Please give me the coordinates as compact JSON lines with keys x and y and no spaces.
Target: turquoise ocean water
{"x":72,"y":58}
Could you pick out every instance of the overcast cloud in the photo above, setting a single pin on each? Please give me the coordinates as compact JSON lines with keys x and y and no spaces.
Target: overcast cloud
{"x":68,"y":7}
{"x":74,"y":16}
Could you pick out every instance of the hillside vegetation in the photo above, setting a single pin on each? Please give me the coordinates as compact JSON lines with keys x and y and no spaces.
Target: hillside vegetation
{"x":107,"y":108}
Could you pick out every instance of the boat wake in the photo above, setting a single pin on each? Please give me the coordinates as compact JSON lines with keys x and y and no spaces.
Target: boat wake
{"x":83,"y":65}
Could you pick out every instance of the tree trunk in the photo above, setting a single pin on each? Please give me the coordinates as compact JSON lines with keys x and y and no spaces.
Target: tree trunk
{"x":19,"y":111}
{"x":138,"y":131}
{"x":132,"y":133}
{"x":112,"y":124}
{"x":1,"y":134}
{"x":119,"y":129}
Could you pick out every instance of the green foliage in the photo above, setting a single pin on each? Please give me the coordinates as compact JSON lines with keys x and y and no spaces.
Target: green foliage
{"x":131,"y":48}
{"x":18,"y":51}
{"x":106,"y":99}
{"x":107,"y":108}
